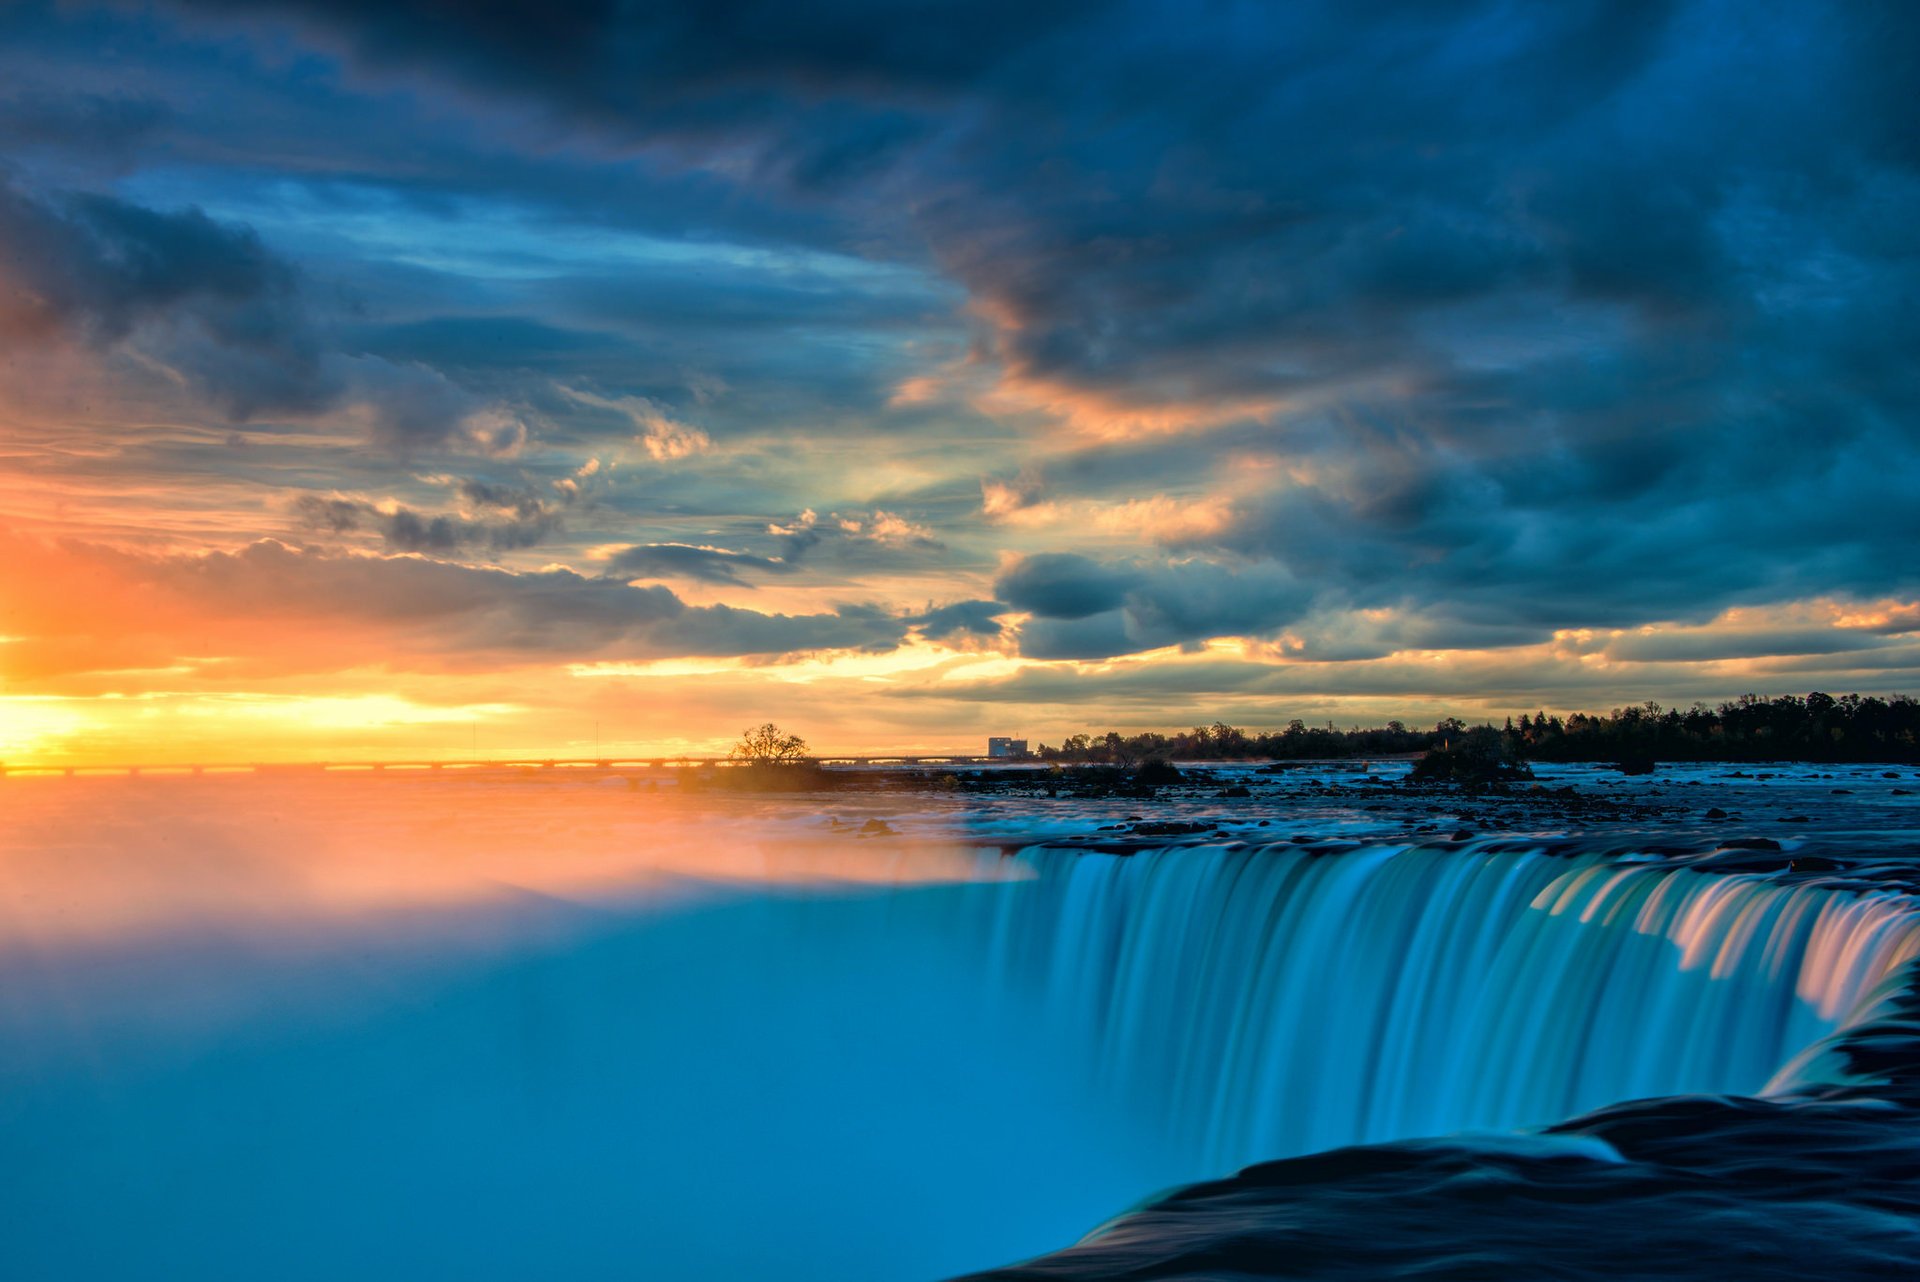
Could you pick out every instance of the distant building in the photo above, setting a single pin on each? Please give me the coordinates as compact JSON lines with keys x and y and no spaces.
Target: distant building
{"x":997,"y":747}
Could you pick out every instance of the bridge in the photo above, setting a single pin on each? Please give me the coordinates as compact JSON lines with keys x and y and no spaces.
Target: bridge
{"x":476,"y":763}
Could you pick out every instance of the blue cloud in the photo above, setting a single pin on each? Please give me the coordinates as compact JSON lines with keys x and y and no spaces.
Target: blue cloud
{"x":1582,"y":315}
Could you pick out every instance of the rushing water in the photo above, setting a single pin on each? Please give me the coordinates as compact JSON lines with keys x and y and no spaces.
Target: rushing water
{"x":494,"y":1029}
{"x":1277,"y":1000}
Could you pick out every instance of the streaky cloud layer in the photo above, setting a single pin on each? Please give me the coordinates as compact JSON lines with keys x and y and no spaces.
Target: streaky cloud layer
{"x":916,"y":372}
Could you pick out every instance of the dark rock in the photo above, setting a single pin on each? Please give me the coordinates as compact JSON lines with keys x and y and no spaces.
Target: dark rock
{"x":1170,"y":828}
{"x":1156,"y":773}
{"x":1636,"y":763}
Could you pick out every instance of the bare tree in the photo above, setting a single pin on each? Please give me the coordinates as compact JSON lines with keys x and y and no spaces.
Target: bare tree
{"x":768,"y":745}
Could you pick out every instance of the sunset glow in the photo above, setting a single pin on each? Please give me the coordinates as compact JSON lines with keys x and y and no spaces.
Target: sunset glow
{"x":884,"y":640}
{"x":432,"y":401}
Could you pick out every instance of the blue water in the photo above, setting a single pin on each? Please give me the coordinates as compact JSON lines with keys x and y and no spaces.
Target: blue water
{"x":772,"y":1086}
{"x":267,"y":1038}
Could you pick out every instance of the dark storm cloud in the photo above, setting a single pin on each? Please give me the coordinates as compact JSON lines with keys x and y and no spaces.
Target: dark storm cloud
{"x":211,"y":302}
{"x":1566,"y":258}
{"x":1544,"y":317}
{"x":694,"y":66}
{"x":100,"y":266}
{"x":1062,"y":586}
{"x":1087,"y":610}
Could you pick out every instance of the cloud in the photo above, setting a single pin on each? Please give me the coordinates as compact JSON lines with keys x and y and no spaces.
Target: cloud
{"x":685,"y":561}
{"x":1160,"y":518}
{"x":1528,"y":287}
{"x":886,"y":527}
{"x":107,"y":127}
{"x":961,"y":619}
{"x":664,"y":439}
{"x":1085,"y":609}
{"x":404,"y":529}
{"x":212,"y":305}
{"x":1253,"y":689}
{"x":492,"y":516}
{"x":100,"y":266}
{"x":1361,"y":329}
{"x":1709,"y":644}
{"x":694,"y":69}
{"x":1062,"y":585}
{"x":270,"y":606}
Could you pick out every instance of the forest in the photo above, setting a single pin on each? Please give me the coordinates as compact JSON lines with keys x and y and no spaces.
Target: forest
{"x":1816,"y":727}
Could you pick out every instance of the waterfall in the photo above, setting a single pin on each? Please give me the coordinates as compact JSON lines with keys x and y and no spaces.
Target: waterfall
{"x":1258,"y":1002}
{"x":915,"y":1059}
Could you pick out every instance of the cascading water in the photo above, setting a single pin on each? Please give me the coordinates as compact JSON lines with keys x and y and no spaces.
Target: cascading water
{"x":1283,"y":1001}
{"x":420,"y":1029}
{"x":1263,"y":1001}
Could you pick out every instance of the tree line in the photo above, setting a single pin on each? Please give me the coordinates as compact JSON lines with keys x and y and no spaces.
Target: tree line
{"x":1818,"y":727}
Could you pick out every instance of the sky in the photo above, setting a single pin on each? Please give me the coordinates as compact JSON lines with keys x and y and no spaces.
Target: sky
{"x":400,"y":377}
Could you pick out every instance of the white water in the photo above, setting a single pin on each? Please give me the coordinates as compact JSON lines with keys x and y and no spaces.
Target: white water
{"x":1259,"y":1003}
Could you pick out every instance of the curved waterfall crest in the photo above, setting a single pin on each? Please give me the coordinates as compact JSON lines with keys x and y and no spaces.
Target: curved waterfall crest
{"x":1256,"y":1001}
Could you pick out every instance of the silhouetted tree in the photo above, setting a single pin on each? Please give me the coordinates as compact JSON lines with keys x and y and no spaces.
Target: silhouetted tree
{"x":1480,"y":755}
{"x":768,"y":745}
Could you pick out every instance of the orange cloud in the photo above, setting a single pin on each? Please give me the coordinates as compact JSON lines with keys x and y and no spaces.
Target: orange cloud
{"x":1106,"y":417}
